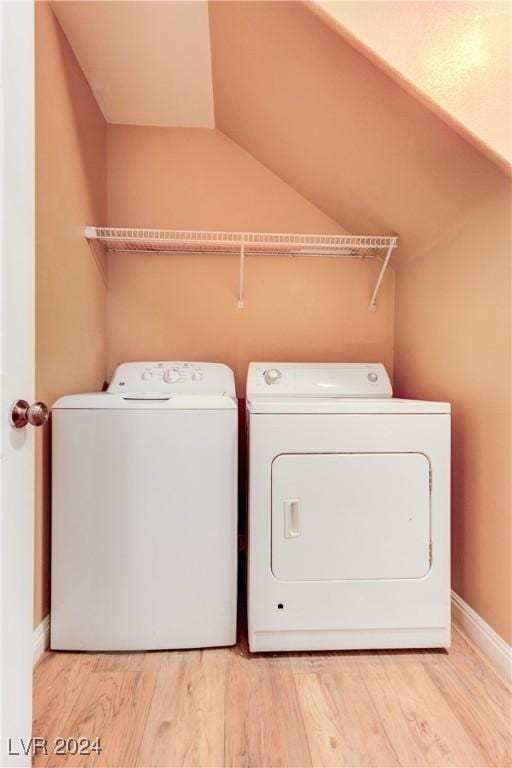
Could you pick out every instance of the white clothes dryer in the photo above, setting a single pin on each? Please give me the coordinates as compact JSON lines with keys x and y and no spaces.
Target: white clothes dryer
{"x":349,"y":511}
{"x":144,"y":533}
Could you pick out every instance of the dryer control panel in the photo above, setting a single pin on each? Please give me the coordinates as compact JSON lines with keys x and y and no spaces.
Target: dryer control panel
{"x":351,"y":380}
{"x":165,"y":378}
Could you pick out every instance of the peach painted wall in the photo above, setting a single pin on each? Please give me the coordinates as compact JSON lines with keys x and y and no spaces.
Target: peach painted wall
{"x":70,"y":281}
{"x":169,"y":306}
{"x":453,"y":342}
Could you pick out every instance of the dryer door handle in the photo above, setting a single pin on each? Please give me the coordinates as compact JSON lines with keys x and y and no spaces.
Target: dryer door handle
{"x":291,"y":518}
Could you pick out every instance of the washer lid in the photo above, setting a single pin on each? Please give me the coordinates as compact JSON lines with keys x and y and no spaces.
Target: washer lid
{"x":297,"y":405}
{"x":108,"y":401}
{"x":318,"y":380}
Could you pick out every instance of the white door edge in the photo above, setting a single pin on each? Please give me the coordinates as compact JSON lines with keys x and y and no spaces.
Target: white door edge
{"x":17,"y":365}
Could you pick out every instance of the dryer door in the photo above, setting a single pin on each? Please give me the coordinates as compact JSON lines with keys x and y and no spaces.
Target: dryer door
{"x":350,"y":516}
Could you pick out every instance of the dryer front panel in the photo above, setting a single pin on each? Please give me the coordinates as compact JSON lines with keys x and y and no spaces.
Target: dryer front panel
{"x":350,"y":516}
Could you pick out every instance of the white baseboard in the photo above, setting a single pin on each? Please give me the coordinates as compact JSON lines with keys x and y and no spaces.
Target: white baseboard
{"x":41,"y":639}
{"x":497,"y":651}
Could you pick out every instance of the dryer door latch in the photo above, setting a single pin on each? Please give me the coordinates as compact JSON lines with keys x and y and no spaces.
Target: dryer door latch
{"x":291,"y":518}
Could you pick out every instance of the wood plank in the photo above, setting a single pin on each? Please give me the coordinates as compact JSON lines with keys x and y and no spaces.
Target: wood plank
{"x":482,"y":704}
{"x":420,"y":725}
{"x":112,"y":706}
{"x":342,"y":725}
{"x":264,"y":723}
{"x":59,"y":680}
{"x":185,"y":724}
{"x":120,"y":662}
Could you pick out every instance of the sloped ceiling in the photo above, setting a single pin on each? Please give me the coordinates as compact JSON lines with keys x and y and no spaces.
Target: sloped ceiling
{"x":457,"y":55}
{"x":337,"y":128}
{"x":295,"y":94}
{"x":148,"y":63}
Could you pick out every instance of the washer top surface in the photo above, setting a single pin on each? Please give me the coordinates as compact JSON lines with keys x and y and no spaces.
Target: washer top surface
{"x":163,"y":384}
{"x":327,"y":388}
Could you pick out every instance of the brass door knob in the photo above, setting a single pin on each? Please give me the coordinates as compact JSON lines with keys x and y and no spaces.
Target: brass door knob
{"x":22,"y":414}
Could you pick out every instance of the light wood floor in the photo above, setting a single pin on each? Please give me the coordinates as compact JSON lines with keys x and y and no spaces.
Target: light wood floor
{"x":226,"y":707}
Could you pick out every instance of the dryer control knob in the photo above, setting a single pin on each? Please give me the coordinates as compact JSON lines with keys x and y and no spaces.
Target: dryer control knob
{"x":171,"y":376}
{"x":372,"y":377}
{"x":147,"y":375}
{"x":273,"y":376}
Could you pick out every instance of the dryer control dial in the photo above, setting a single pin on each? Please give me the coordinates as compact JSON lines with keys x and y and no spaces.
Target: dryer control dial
{"x":272,"y":376}
{"x":373,"y":377}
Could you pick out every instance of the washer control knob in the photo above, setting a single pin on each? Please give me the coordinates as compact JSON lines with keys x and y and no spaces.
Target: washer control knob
{"x":171,"y":375}
{"x":273,"y":376}
{"x":372,"y":376}
{"x":197,"y":376}
{"x":147,"y":375}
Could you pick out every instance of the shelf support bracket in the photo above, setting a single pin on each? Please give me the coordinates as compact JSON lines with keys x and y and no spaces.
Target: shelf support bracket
{"x":372,"y":307}
{"x":241,"y":284}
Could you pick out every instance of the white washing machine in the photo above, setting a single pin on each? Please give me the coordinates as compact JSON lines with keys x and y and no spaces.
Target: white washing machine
{"x":144,"y":518}
{"x":349,"y":511}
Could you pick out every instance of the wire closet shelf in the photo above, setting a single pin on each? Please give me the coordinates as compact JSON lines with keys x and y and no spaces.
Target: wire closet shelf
{"x":124,"y":240}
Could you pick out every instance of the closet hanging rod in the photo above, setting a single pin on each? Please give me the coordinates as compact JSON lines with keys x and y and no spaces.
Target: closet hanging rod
{"x":124,"y":240}
{"x":197,"y":251}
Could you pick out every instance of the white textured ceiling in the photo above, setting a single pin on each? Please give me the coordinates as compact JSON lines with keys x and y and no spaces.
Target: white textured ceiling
{"x":456,"y":54}
{"x":148,"y":63}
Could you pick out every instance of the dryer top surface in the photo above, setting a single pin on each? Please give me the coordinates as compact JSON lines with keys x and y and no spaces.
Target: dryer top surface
{"x":341,"y":405}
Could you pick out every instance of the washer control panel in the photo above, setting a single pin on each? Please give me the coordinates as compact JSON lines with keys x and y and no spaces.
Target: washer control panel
{"x":165,"y":378}
{"x":351,"y":380}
